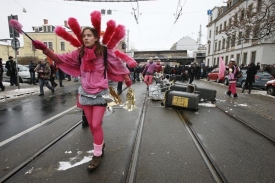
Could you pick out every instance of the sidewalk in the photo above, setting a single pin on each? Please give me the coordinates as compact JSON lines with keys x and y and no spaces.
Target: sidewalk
{"x":12,"y":92}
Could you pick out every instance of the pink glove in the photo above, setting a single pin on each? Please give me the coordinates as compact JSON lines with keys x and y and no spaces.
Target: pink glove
{"x":128,"y":83}
{"x":39,"y":45}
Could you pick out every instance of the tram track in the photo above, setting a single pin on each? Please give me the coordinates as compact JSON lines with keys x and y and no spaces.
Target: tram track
{"x":210,"y":163}
{"x":37,"y":154}
{"x":266,"y":136}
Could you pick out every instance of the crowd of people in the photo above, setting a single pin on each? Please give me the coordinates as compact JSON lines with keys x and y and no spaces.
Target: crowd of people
{"x":195,"y":71}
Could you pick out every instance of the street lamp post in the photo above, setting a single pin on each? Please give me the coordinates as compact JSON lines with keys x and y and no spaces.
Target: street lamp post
{"x":15,"y":44}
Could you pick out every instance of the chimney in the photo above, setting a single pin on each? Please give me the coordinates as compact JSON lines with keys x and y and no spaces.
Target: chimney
{"x":45,"y":21}
{"x":65,"y":24}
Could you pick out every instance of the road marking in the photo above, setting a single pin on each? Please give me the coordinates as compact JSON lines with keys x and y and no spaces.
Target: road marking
{"x":34,"y":127}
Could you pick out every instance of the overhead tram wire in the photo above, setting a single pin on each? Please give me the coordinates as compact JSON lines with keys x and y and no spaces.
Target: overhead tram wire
{"x":169,"y":35}
{"x":177,"y":16}
{"x":136,"y":18}
{"x":179,"y":13}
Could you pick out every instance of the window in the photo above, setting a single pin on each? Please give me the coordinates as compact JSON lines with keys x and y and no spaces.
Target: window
{"x":214,"y":61}
{"x":247,"y":35}
{"x":259,"y":5}
{"x":220,"y":10}
{"x":242,"y":15}
{"x":224,"y":25}
{"x":244,"y":58}
{"x":233,"y":40}
{"x":210,"y":34}
{"x":238,"y":59}
{"x":235,"y":19}
{"x":62,"y":45}
{"x":223,"y":43}
{"x":229,"y":4}
{"x":229,"y":22}
{"x":215,"y":46}
{"x":228,"y":42}
{"x":256,"y":31}
{"x":49,"y":45}
{"x":219,"y":45}
{"x":253,"y":56}
{"x":226,"y":60}
{"x":49,"y":29}
{"x":249,"y":10}
{"x":221,"y":27}
{"x":209,"y":45}
{"x":217,"y":30}
{"x":240,"y":38}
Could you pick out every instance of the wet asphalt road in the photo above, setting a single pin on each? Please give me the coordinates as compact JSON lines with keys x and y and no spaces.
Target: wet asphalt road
{"x":23,"y":113}
{"x":167,"y":152}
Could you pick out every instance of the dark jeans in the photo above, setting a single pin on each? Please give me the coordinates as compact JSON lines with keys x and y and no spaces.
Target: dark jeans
{"x":191,"y":79}
{"x":43,"y":82}
{"x":32,"y":79}
{"x":13,"y":80}
{"x":52,"y":81}
{"x":119,"y":87}
{"x":137,"y":76}
{"x":247,"y":85}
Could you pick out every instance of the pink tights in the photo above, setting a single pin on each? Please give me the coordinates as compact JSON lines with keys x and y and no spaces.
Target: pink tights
{"x":148,"y":79}
{"x":94,"y":115}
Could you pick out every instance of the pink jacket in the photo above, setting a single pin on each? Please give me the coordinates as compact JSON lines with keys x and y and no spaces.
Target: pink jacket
{"x":93,"y":81}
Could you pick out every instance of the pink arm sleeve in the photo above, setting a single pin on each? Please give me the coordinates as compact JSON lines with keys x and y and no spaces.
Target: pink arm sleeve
{"x":116,"y":68}
{"x":68,"y":62}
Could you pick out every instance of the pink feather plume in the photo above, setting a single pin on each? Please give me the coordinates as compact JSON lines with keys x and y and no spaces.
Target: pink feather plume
{"x":16,"y":25}
{"x":111,"y":25}
{"x":74,"y":25}
{"x":123,"y":56}
{"x":116,"y":37}
{"x":60,"y":31}
{"x":96,"y":21}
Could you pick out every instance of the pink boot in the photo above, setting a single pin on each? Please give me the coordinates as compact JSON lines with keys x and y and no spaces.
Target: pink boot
{"x":98,"y":155}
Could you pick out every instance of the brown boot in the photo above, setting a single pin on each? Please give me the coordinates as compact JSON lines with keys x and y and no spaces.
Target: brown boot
{"x":94,"y":163}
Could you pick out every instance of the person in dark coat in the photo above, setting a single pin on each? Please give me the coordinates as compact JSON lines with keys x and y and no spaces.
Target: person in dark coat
{"x":250,"y":78}
{"x":191,"y":73}
{"x":52,"y":77}
{"x":32,"y":66}
{"x":1,"y":76}
{"x":60,"y":77}
{"x":11,"y":66}
{"x":258,"y":66}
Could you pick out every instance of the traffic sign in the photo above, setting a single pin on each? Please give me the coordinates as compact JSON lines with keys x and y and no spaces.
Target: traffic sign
{"x":15,"y":44}
{"x":13,"y":33}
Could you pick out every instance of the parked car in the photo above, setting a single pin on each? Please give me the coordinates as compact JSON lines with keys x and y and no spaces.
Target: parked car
{"x":270,"y":87}
{"x":214,"y":75}
{"x":260,"y":79}
{"x":23,"y":74}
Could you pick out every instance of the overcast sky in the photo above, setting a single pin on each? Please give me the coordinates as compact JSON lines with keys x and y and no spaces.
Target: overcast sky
{"x":156,"y":28}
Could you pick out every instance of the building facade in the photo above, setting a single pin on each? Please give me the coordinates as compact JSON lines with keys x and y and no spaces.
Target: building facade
{"x":6,"y":50}
{"x":242,"y":44}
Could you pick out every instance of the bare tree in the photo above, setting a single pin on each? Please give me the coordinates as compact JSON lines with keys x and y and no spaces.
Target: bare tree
{"x":254,"y":22}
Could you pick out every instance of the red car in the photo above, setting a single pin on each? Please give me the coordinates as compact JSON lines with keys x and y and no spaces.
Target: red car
{"x":270,"y":87}
{"x":214,"y":75}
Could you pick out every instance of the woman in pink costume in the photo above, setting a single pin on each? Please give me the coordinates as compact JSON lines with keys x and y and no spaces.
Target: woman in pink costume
{"x":232,"y":84}
{"x":88,"y":61}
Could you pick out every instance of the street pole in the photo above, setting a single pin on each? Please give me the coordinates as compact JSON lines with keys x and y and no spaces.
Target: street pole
{"x":15,"y":55}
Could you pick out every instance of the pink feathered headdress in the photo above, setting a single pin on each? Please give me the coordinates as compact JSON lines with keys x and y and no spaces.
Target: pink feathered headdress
{"x":112,"y":36}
